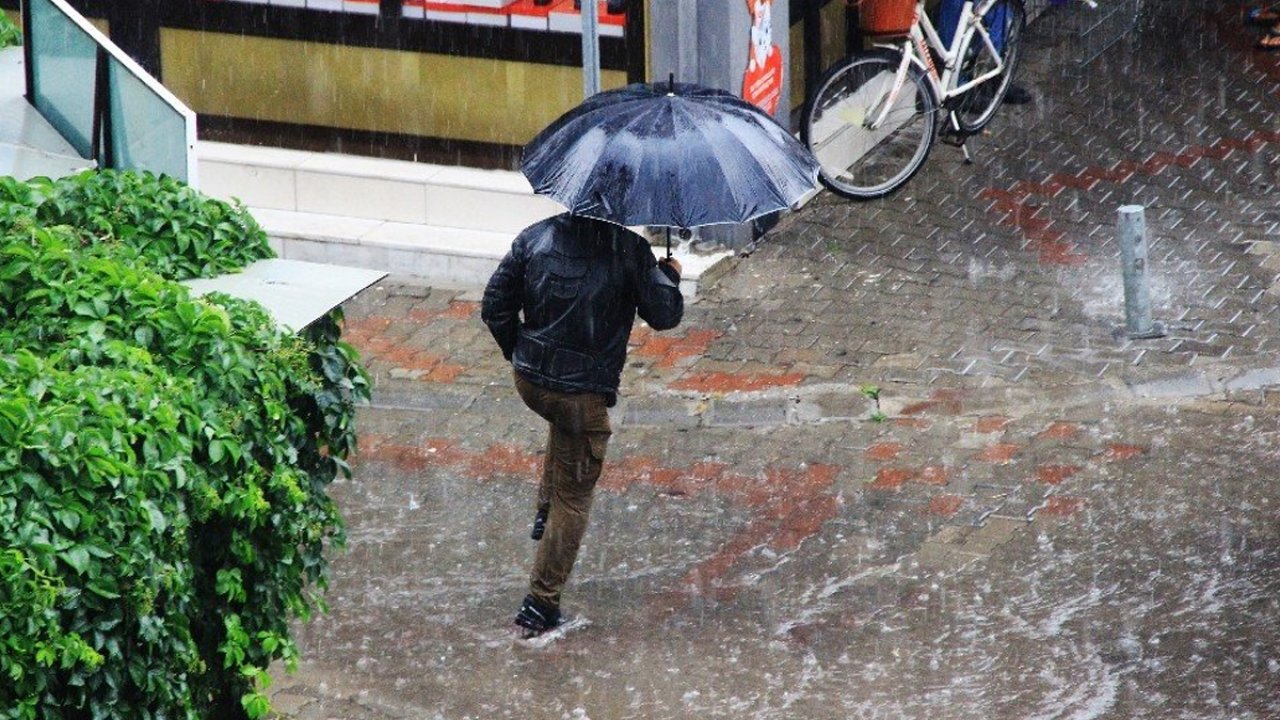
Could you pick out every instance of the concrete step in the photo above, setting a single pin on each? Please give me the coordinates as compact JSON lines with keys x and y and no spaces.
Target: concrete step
{"x":439,"y":255}
{"x":371,"y":188}
{"x":445,"y":225}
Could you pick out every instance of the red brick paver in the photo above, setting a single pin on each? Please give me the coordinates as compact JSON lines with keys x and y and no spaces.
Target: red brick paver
{"x":724,"y":383}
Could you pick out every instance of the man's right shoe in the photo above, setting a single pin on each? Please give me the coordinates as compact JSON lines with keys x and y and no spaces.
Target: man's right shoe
{"x":536,"y":618}
{"x":539,"y":523}
{"x":1261,"y":16}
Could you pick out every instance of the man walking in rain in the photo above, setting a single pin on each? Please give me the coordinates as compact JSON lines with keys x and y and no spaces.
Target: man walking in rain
{"x":561,"y":305}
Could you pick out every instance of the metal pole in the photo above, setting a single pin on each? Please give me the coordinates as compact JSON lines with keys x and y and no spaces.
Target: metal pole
{"x":590,"y":48}
{"x":1133,"y":255}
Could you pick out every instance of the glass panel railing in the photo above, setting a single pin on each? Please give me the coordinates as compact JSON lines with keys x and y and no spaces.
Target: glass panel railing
{"x":63,"y":62}
{"x":146,"y":133}
{"x":102,"y":102}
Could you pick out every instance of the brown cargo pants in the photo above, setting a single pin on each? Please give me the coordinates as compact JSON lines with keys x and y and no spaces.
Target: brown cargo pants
{"x":576,"y":445}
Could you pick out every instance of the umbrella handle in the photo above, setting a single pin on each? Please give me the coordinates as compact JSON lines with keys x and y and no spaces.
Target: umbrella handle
{"x":684,"y":233}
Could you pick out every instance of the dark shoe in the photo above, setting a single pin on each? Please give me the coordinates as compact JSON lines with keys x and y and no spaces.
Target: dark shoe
{"x":1270,"y":40}
{"x":1261,"y":16}
{"x":539,"y":523}
{"x":1017,"y":95}
{"x":536,"y":618}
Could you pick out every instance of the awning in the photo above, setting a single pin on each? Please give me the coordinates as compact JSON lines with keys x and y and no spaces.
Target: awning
{"x":296,"y":293}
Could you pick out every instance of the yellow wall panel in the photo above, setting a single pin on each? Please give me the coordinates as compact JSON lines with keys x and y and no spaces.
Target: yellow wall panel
{"x":370,"y":89}
{"x":833,"y":32}
{"x":832,"y":36}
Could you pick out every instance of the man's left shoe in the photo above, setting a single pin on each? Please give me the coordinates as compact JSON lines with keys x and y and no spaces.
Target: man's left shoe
{"x":1017,"y":95}
{"x":1270,"y":40}
{"x":536,"y":618}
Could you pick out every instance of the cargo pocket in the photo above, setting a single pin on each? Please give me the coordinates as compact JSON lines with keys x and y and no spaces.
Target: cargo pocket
{"x":597,"y":444}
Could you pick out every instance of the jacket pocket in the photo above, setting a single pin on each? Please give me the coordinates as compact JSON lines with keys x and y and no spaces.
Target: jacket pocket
{"x":566,"y":278}
{"x":531,"y":352}
{"x":570,"y":364}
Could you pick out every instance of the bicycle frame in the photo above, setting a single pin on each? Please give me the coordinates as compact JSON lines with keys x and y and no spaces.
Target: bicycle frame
{"x":916,"y":47}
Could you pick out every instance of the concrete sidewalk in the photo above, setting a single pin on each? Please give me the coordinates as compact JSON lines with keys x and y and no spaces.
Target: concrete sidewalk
{"x":895,"y":463}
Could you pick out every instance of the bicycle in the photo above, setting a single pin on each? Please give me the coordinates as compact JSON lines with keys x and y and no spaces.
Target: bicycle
{"x":872,"y":119}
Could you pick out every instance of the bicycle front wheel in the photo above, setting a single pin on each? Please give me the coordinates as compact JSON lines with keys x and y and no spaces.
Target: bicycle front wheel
{"x":865,"y":150}
{"x":1004,"y":23}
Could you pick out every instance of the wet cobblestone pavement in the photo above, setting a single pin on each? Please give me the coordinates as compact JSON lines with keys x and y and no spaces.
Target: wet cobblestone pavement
{"x":895,"y":463}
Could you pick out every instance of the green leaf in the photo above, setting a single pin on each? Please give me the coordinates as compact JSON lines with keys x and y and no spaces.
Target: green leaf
{"x":77,"y":557}
{"x":46,"y":655}
{"x":144,"y":336}
{"x":255,"y":705}
{"x":99,"y":552}
{"x":105,"y":592}
{"x":157,"y":519}
{"x":70,"y":519}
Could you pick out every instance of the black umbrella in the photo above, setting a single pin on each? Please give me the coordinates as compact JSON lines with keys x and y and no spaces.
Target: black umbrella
{"x":669,"y":154}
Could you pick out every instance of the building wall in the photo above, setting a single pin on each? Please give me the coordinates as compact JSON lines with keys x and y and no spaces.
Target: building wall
{"x":369,"y":89}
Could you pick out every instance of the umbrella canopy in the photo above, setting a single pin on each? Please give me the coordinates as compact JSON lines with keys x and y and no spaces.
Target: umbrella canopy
{"x":669,"y":154}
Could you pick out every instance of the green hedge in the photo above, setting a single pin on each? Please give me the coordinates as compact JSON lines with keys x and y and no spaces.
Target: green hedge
{"x":164,"y":459}
{"x":9,"y":33}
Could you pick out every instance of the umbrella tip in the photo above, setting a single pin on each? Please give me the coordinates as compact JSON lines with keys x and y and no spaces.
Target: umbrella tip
{"x":671,"y":83}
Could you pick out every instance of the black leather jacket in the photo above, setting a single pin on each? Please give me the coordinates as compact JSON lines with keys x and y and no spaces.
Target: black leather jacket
{"x":579,"y":284}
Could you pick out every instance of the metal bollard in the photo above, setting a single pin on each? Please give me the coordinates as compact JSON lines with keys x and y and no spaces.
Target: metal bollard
{"x":1137,"y":294}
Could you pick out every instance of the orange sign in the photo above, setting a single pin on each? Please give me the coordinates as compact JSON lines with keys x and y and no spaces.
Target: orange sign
{"x":762,"y":83}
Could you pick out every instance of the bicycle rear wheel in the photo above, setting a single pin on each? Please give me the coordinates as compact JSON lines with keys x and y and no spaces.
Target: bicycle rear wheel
{"x":1004,"y":21}
{"x":857,"y":161}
